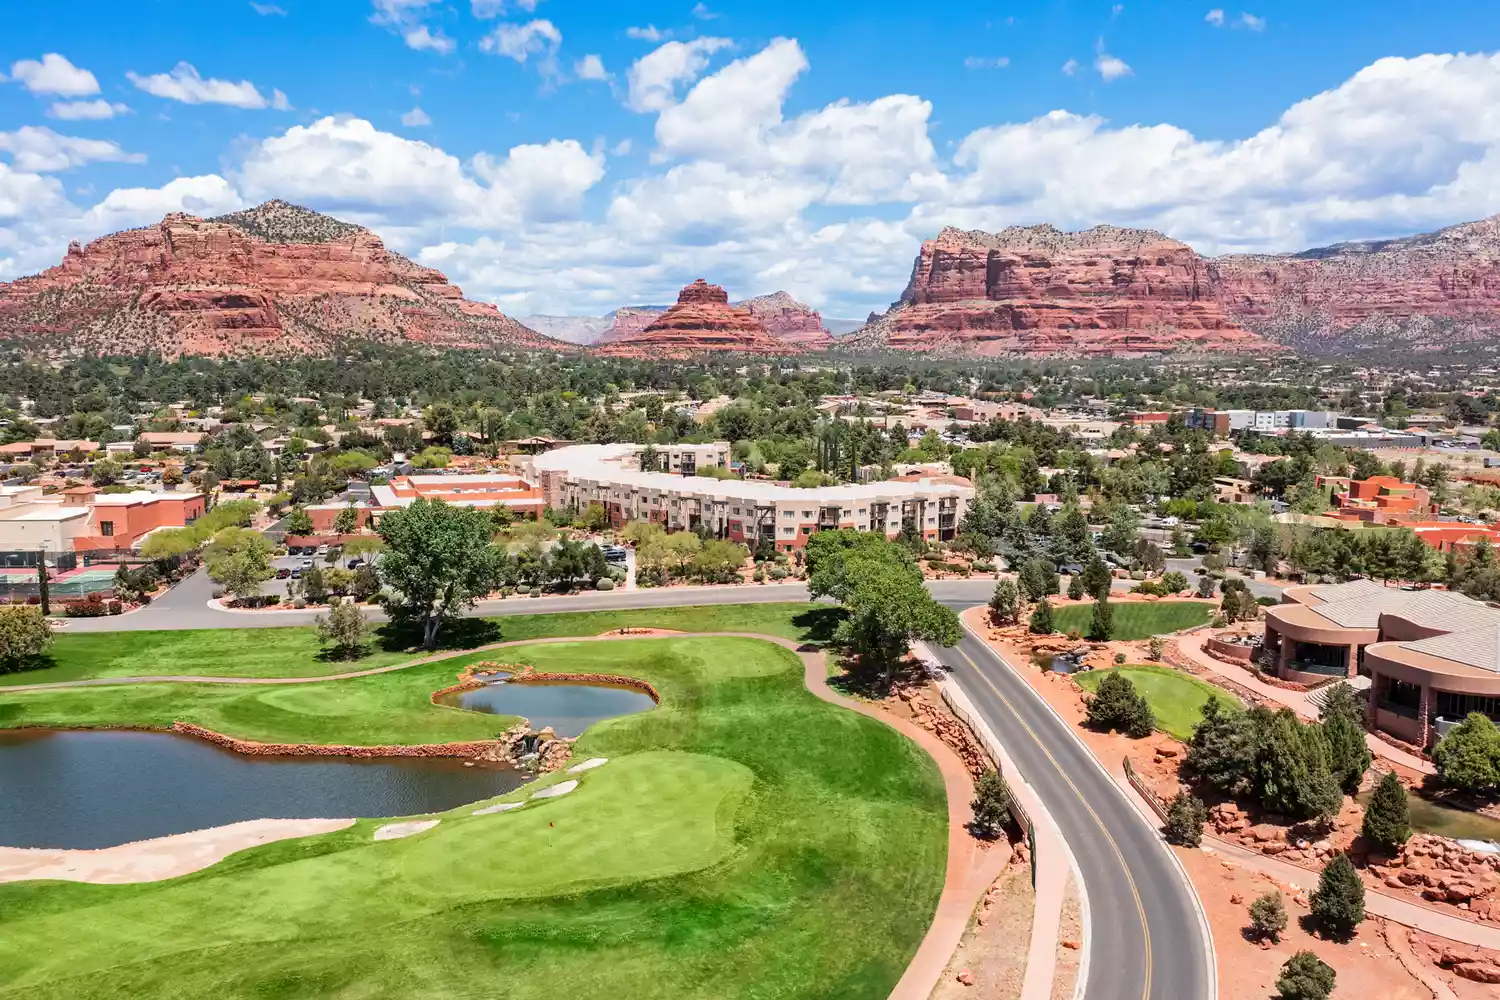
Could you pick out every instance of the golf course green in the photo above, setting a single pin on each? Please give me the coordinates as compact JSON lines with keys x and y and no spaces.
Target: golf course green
{"x":745,"y":840}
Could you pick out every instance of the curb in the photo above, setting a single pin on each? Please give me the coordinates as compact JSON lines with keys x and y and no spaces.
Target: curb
{"x":1148,"y":817}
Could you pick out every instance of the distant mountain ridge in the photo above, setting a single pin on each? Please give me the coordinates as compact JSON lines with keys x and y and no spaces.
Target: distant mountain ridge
{"x":277,"y":279}
{"x":782,"y":315}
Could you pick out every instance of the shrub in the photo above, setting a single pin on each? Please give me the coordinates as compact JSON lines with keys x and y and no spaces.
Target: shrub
{"x":24,"y":633}
{"x":1117,"y":705}
{"x":1338,"y":904}
{"x":1119,"y":659}
{"x":605,"y":584}
{"x":984,"y":567}
{"x":1075,"y":589}
{"x":1156,"y":647}
{"x":1041,"y":619}
{"x":1387,"y":824}
{"x":1185,"y":819}
{"x":1469,"y":756}
{"x":1305,"y":976}
{"x":1268,"y":916}
{"x":1005,"y":602}
{"x":1172,"y":582}
{"x":343,"y":628}
{"x":991,"y":803}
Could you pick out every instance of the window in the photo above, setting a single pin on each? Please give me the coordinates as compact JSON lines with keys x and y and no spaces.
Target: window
{"x":807,"y":514}
{"x":788,"y":513}
{"x":789,"y":530}
{"x":807,"y":530}
{"x":107,"y":528}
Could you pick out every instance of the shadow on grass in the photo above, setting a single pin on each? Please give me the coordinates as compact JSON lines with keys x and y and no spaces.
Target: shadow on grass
{"x":31,"y":664}
{"x":817,"y":623}
{"x":465,"y":633}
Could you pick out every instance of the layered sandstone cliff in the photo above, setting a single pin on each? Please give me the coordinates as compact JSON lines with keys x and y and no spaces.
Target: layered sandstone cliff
{"x":1039,"y":291}
{"x":788,"y":320}
{"x":278,"y":279}
{"x":1421,"y":292}
{"x":702,"y":321}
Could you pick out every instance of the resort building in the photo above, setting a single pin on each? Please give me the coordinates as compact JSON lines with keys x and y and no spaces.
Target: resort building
{"x":1427,"y":658}
{"x":1378,"y":499}
{"x":80,"y":519}
{"x":742,"y":510}
{"x":490,"y":490}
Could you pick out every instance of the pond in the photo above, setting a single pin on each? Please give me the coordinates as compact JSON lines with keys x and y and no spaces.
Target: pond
{"x":567,"y":707}
{"x":1427,"y":816}
{"x":90,"y":789}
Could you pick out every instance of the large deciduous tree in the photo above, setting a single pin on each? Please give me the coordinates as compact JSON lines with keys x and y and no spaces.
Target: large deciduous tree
{"x":439,"y":560}
{"x":239,"y":559}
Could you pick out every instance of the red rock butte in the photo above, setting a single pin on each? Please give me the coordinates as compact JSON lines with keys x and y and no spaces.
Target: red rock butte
{"x":1039,"y":291}
{"x":702,"y":321}
{"x":277,"y":279}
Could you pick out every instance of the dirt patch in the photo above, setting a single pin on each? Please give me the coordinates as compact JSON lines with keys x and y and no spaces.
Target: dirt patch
{"x":1366,"y":966}
{"x":1069,"y":944}
{"x":992,"y":954}
{"x":156,"y":859}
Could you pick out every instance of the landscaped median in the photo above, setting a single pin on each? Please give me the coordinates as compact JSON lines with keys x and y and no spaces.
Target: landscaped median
{"x":744,"y":836}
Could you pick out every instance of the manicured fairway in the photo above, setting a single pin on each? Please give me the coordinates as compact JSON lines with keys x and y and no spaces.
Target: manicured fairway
{"x":1176,"y":698}
{"x":745,"y":840}
{"x":1138,"y":619}
{"x":295,"y":652}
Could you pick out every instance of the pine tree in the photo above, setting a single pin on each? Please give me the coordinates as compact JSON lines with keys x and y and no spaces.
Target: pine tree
{"x":1222,"y":750}
{"x":991,"y":803}
{"x":1338,"y":904}
{"x":1386,"y":824}
{"x":1305,"y":976}
{"x":1343,"y":727}
{"x":1117,"y":705}
{"x":1075,"y":588}
{"x":1102,"y":622}
{"x":1268,"y":916}
{"x":1185,"y":819}
{"x":1005,"y":604}
{"x":1041,"y":619}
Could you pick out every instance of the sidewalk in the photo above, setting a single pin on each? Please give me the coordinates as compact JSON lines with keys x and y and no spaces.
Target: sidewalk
{"x":1191,"y":646}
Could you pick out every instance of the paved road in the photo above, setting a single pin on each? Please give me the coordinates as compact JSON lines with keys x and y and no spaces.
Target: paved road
{"x":1148,"y":942}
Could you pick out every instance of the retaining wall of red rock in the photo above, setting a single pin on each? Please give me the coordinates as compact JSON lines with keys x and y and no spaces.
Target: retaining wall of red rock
{"x":470,"y":749}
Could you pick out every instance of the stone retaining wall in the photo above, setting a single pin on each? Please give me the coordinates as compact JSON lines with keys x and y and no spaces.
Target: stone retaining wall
{"x":474,"y":748}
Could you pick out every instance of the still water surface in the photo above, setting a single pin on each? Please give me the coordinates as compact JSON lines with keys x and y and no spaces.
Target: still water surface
{"x":82,"y":789}
{"x":568,"y":708}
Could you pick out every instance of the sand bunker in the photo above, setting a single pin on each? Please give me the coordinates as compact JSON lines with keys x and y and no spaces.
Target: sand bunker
{"x":395,"y":831}
{"x":588,"y":765}
{"x":157,"y":859}
{"x":500,"y":808}
{"x":553,"y":791}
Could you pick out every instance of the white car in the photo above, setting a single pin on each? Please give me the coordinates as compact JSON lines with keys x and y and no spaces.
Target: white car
{"x":1170,"y":522}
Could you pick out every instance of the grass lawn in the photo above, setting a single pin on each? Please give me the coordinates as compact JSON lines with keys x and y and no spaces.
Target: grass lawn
{"x":295,"y":651}
{"x":745,"y":840}
{"x":1176,"y":698}
{"x":1138,"y":619}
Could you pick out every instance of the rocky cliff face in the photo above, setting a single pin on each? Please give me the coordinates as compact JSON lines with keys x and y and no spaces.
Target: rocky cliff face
{"x":627,"y":321}
{"x":1039,"y":291}
{"x":702,"y":321}
{"x":1421,"y":292}
{"x":278,"y":279}
{"x":789,"y":320}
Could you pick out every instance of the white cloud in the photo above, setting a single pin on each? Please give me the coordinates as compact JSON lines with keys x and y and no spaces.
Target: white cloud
{"x":126,"y":207}
{"x":487,"y":9}
{"x":521,"y":41}
{"x":40,"y":150}
{"x":404,"y":17}
{"x":980,"y":62}
{"x":621,"y":148}
{"x":267,"y":9}
{"x":650,"y":33}
{"x":415,"y":118}
{"x":185,"y":85}
{"x":85,"y":110}
{"x":1252,"y":22}
{"x":654,"y":77}
{"x":1215,"y":17}
{"x":346,"y":164}
{"x":702,"y":13}
{"x":1070,"y":68}
{"x":590,"y":67}
{"x":1110,"y":67}
{"x":54,"y":74}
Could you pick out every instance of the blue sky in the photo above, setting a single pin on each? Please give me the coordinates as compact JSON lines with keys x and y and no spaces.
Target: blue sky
{"x":567,"y":157}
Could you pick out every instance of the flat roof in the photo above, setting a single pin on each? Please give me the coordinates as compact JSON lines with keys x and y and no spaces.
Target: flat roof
{"x":45,"y":512}
{"x":137,"y":496}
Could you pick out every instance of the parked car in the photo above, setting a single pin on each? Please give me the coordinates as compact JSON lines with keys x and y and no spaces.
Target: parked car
{"x":305,"y":564}
{"x":354,"y":563}
{"x":283,"y":573}
{"x":297,"y":573}
{"x":322,"y":550}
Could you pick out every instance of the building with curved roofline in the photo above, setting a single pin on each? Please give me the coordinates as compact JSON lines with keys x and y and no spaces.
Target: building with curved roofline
{"x":1426,"y":658}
